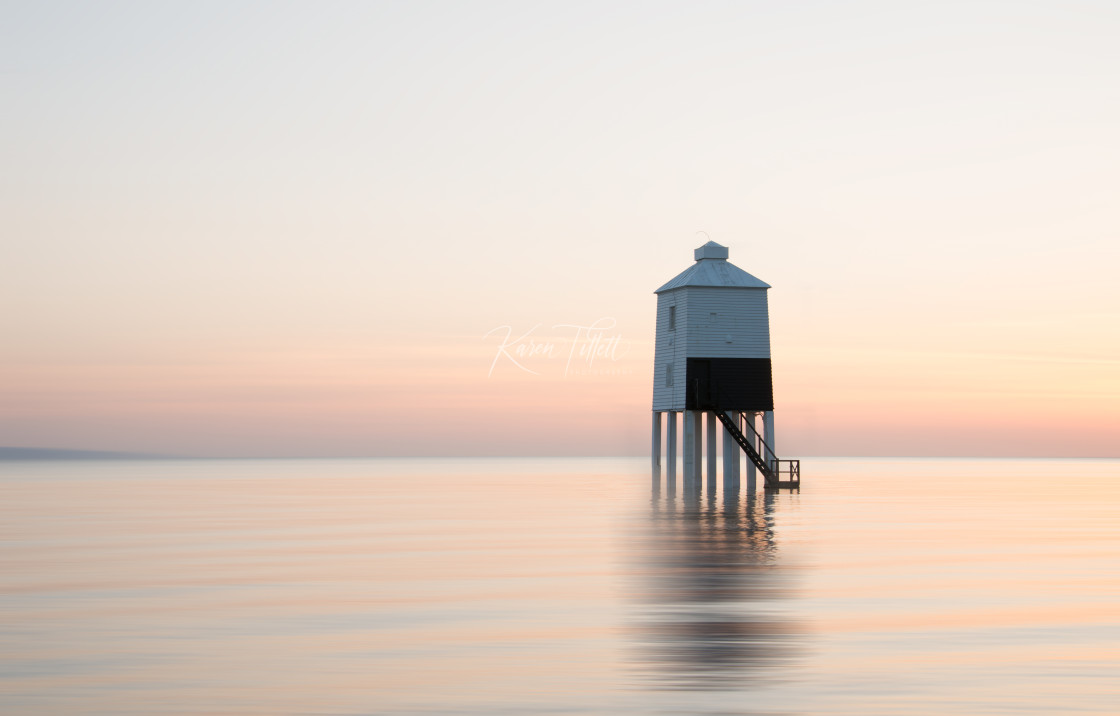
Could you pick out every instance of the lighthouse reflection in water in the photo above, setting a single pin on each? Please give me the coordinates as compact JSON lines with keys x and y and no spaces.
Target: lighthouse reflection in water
{"x":710,"y":594}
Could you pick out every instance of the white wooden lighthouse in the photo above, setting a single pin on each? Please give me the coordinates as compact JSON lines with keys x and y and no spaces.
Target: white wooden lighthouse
{"x":712,"y":356}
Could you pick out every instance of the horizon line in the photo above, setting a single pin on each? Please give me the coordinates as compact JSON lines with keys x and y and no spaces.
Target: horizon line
{"x":14,"y":454}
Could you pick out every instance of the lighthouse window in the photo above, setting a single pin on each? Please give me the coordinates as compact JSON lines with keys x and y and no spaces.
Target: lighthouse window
{"x":669,"y":375}
{"x":672,"y":318}
{"x":711,"y":317}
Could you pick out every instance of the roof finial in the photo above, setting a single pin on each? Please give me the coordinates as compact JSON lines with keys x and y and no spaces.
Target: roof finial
{"x":710,"y":250}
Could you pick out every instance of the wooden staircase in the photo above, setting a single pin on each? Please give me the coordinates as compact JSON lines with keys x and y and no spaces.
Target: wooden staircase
{"x":768,"y":463}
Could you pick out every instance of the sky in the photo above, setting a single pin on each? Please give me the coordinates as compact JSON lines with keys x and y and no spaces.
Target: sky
{"x":428,"y":228}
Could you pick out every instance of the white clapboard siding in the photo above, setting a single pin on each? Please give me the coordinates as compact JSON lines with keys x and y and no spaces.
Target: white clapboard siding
{"x":740,"y":328}
{"x":669,"y":349}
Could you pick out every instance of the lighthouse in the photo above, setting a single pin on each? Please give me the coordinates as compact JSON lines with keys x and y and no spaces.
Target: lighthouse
{"x":712,"y":359}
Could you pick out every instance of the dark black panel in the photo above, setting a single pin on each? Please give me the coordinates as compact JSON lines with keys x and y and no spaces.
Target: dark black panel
{"x":729,"y":384}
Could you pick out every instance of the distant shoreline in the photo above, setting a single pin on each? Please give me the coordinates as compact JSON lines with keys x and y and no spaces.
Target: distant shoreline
{"x":32,"y":453}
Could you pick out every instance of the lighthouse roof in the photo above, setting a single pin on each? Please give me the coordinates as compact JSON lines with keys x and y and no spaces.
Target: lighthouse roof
{"x":713,"y":269}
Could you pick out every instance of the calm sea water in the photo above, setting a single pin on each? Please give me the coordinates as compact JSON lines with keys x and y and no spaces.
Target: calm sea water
{"x":557,"y":586}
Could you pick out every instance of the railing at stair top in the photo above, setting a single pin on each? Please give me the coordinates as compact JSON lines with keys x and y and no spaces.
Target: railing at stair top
{"x":792,"y":469}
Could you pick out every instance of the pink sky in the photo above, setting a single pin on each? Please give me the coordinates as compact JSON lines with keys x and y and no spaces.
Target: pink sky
{"x":288,"y":231}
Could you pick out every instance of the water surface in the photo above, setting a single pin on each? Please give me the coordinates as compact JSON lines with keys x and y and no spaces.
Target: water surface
{"x":557,"y":586}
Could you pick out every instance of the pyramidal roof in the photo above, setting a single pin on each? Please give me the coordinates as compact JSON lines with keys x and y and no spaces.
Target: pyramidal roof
{"x":713,"y":269}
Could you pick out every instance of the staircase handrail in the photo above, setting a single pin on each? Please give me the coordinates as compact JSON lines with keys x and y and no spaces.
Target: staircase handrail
{"x":766,"y":453}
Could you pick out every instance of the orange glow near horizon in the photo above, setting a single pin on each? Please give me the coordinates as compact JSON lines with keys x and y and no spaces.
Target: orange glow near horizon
{"x":366,"y":401}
